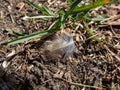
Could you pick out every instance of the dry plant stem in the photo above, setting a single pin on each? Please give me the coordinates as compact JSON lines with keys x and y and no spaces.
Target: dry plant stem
{"x":47,"y":81}
{"x":91,"y":35}
{"x":52,"y":25}
{"x":3,"y":52}
{"x":112,"y":30}
{"x":112,"y":53}
{"x":72,"y":83}
{"x":103,"y":43}
{"x":9,"y":9}
{"x":79,"y":84}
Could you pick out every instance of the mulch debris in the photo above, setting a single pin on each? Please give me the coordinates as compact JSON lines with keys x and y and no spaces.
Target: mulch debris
{"x":29,"y":66}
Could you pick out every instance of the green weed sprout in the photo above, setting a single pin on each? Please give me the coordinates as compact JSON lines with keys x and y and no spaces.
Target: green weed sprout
{"x":74,"y":10}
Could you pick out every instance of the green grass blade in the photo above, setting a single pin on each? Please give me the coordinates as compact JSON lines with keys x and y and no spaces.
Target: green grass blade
{"x":43,"y":10}
{"x":27,"y":37}
{"x":48,"y":11}
{"x":96,"y":19}
{"x":17,"y":32}
{"x":90,"y":33}
{"x":70,"y":2}
{"x":75,"y":4}
{"x":72,"y":7}
{"x":89,"y":7}
{"x":34,"y":5}
{"x":65,"y":15}
{"x":1,"y":20}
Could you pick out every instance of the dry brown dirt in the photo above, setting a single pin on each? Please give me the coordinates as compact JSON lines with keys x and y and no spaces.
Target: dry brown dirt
{"x":32,"y":68}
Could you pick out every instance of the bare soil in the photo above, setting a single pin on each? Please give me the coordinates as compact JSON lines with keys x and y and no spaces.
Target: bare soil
{"x":31,"y":68}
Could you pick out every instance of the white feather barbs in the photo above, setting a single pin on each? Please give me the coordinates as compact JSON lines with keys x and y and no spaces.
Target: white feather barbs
{"x":63,"y":43}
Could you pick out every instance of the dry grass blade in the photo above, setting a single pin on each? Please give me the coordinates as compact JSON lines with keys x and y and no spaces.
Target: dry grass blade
{"x":112,"y":53}
{"x":79,"y":84}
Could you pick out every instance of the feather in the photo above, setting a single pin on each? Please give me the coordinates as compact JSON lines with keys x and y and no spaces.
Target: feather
{"x":63,"y":43}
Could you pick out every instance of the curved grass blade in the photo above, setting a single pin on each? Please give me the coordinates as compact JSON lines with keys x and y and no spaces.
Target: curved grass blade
{"x":96,"y":19}
{"x":34,"y":5}
{"x":90,"y":34}
{"x":65,"y":15}
{"x":86,"y":8}
{"x":27,"y":37}
{"x":70,"y":2}
{"x":72,"y":7}
{"x":44,"y":9}
{"x":48,"y":10}
{"x":18,"y":33}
